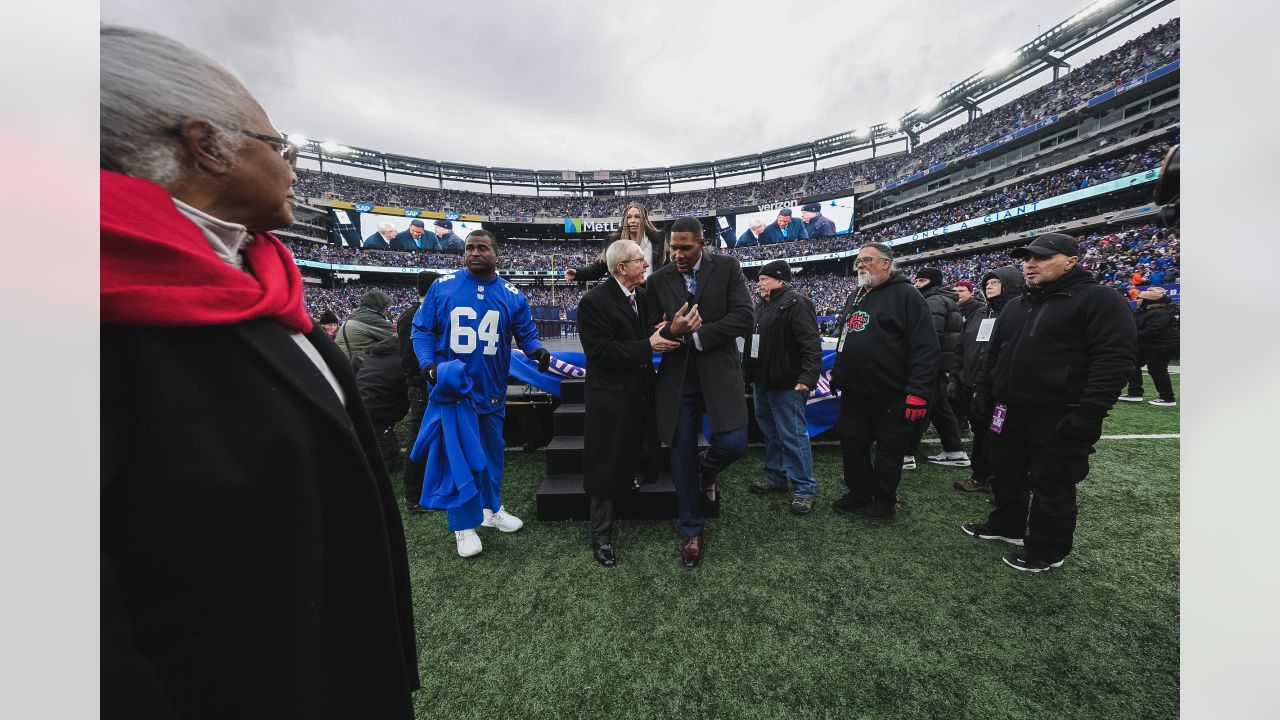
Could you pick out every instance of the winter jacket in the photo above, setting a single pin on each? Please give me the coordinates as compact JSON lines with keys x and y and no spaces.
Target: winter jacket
{"x":409,"y":359}
{"x":790,"y":350}
{"x":887,"y":342}
{"x":380,"y":380}
{"x":1068,"y":344}
{"x":362,"y":330}
{"x":1158,"y":327}
{"x":947,"y":321}
{"x":968,"y":358}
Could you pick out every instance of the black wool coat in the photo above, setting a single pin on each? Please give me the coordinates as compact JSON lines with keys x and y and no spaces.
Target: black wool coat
{"x":725,"y":305}
{"x":253,"y":559}
{"x":619,"y":389}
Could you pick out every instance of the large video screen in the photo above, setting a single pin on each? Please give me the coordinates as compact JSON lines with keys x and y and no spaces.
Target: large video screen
{"x":395,"y":232}
{"x":837,"y":212}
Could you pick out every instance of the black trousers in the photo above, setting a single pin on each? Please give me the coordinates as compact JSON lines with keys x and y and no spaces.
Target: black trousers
{"x":414,"y":471}
{"x":979,"y":462}
{"x":389,"y":444}
{"x":602,"y":517}
{"x":867,"y":420}
{"x":1034,"y":482}
{"x":943,"y":419}
{"x":1157,"y":364}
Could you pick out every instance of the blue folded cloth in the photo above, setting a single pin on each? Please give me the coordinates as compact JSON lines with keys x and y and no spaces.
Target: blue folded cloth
{"x":449,"y":440}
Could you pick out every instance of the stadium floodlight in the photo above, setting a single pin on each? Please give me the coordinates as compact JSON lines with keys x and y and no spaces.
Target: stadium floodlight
{"x":299,"y":140}
{"x":334,"y":148}
{"x":1001,"y":62}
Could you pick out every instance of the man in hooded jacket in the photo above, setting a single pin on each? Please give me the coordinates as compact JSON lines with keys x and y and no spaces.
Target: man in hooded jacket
{"x":1002,"y":286}
{"x":367,"y":326}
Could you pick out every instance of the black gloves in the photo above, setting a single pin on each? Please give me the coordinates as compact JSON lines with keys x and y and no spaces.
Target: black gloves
{"x":981,"y":407}
{"x":953,"y":387}
{"x":1083,"y":425}
{"x":429,"y":372}
{"x":543,"y":357}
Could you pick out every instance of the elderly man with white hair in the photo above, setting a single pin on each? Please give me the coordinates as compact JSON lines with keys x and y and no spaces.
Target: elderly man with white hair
{"x":382,"y":239}
{"x":253,"y":560}
{"x":751,"y":236}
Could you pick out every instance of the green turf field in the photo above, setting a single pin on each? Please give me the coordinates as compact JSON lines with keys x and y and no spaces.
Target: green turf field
{"x":819,"y":616}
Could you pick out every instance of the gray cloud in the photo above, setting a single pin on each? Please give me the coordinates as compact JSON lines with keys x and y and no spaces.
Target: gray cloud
{"x":588,"y":85}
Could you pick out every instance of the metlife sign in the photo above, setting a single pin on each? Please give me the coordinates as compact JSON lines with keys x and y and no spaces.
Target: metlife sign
{"x":582,"y":225}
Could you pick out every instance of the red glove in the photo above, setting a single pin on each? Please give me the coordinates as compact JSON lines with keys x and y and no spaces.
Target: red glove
{"x":916,"y":407}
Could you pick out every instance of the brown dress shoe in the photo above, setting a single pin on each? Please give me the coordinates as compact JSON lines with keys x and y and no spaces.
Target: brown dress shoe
{"x":691,"y":551}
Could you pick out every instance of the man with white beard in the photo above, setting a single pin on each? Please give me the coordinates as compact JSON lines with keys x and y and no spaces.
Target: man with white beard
{"x":886,"y":371}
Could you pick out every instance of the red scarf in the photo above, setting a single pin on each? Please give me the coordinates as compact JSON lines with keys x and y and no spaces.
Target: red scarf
{"x":158,"y":268}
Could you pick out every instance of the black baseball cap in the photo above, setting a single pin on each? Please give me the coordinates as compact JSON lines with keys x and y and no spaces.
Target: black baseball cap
{"x":812,"y":207}
{"x":444,"y":224}
{"x":1047,"y":245}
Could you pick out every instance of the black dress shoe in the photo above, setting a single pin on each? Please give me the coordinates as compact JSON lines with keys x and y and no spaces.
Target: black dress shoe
{"x":691,"y":551}
{"x":604,"y":555}
{"x":414,"y":508}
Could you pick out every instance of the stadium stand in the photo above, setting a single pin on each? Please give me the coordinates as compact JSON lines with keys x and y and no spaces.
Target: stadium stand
{"x":1155,"y":48}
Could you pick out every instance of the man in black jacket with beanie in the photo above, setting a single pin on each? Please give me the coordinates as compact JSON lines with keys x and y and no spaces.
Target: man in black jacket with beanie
{"x":886,"y":371}
{"x":1057,"y":359}
{"x":782,"y":362}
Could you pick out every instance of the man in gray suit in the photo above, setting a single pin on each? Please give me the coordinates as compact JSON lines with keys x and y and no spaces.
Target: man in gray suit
{"x":705,"y":299}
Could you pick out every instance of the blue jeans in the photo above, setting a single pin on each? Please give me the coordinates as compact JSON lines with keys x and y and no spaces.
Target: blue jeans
{"x":788,"y":455}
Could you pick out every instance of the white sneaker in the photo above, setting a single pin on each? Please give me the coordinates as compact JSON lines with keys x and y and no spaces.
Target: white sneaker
{"x":953,"y":459}
{"x":468,"y":542}
{"x":1164,"y":403}
{"x":908,"y":462}
{"x":503,"y":520}
{"x":1130,"y":398}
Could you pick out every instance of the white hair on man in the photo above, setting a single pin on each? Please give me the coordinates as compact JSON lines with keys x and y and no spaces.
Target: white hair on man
{"x":757,"y":223}
{"x":619,"y":252}
{"x":149,"y":85}
{"x":386,"y":227}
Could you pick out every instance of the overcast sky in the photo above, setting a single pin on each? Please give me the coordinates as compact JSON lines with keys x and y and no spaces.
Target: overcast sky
{"x":587,"y":85}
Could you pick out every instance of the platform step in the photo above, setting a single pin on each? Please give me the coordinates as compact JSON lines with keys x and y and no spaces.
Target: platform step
{"x":560,"y":497}
{"x":569,"y":419}
{"x":573,"y":392}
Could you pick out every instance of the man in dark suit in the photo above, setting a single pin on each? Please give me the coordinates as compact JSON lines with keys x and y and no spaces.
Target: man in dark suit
{"x":381,"y":240}
{"x":706,"y":300}
{"x":619,"y":391}
{"x":784,"y":229}
{"x":751,"y":236}
{"x":410,"y":239}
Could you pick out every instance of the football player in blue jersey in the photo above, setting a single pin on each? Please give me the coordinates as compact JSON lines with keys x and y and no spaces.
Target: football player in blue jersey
{"x":471,"y":316}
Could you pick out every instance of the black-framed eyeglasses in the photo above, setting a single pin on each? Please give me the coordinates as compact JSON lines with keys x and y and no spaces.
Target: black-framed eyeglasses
{"x":867,"y":260}
{"x":287,"y":150}
{"x":632,"y":260}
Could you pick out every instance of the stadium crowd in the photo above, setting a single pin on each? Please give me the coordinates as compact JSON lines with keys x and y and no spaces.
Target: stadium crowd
{"x":516,"y":255}
{"x":1128,"y":261}
{"x":1155,"y":48}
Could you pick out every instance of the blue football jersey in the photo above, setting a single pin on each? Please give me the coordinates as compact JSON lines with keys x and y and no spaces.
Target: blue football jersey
{"x":465,"y":318}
